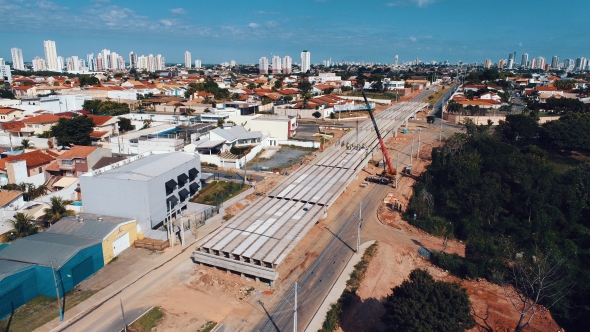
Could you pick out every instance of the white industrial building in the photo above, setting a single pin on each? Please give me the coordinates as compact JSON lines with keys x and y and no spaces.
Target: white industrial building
{"x":149,"y":188}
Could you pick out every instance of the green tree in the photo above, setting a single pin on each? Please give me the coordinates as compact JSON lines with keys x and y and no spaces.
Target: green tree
{"x":317,"y":114}
{"x":147,"y":123}
{"x":423,"y":304}
{"x":5,"y":93}
{"x":22,"y":226}
{"x":57,"y":209}
{"x":74,"y":131}
{"x":571,"y":132}
{"x":565,"y":84}
{"x":517,"y":127}
{"x":125,"y":125}
{"x":25,"y":144}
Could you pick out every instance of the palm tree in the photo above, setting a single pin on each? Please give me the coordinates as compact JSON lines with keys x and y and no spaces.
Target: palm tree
{"x":189,"y":112}
{"x":58,"y":209}
{"x":25,"y":144}
{"x":176,"y":105}
{"x":22,"y":227}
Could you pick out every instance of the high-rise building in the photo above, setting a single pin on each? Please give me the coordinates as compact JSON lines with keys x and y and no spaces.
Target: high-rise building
{"x":50,"y":55}
{"x":511,"y":57}
{"x":541,"y":62}
{"x":90,"y":61}
{"x":524,"y":60}
{"x":263,"y":65}
{"x":580,"y":63}
{"x":501,"y":64}
{"x":555,"y":61}
{"x":61,"y":64}
{"x":106,"y":59}
{"x":2,"y":62}
{"x":187,"y":60}
{"x":5,"y":72}
{"x":305,"y":61}
{"x":160,"y":62}
{"x":39,"y":64}
{"x":198,"y":64}
{"x":533,"y":64}
{"x":232,"y":63}
{"x":287,"y":64}
{"x":396,"y":61}
{"x":132,"y":60}
{"x":17,"y":59}
{"x":487,"y":63}
{"x":276,"y":64}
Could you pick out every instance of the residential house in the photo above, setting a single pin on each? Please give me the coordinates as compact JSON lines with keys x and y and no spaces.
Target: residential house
{"x":77,"y":160}
{"x":10,"y":114}
{"x":38,"y":124}
{"x":28,"y":167}
{"x":104,"y":126}
{"x":280,"y":127}
{"x":235,"y":136}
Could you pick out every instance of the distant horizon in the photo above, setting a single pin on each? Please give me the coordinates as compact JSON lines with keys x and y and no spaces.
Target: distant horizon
{"x":439,"y":30}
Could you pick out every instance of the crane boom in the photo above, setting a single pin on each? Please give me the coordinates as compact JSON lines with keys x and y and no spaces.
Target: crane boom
{"x":383,"y":148}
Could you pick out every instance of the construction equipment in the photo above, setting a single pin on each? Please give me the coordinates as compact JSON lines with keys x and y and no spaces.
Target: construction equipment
{"x":390,"y":173}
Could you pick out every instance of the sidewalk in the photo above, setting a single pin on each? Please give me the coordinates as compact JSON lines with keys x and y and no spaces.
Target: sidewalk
{"x":336,"y":291}
{"x":82,"y":309}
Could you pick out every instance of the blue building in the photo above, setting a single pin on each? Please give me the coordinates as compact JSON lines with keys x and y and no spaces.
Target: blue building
{"x":27,"y":266}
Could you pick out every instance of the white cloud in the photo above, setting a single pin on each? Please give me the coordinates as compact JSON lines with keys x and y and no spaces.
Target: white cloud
{"x":178,"y":11}
{"x":166,"y":22}
{"x":404,"y":3}
{"x":412,"y":38}
{"x":254,"y":25}
{"x":272,"y":24}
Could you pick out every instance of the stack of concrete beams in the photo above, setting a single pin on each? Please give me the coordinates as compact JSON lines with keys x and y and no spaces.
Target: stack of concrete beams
{"x":258,"y":239}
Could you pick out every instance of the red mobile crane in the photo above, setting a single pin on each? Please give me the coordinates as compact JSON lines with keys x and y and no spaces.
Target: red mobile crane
{"x":386,"y":176}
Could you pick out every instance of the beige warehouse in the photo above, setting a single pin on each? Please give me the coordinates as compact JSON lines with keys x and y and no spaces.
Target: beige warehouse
{"x":116,"y":234}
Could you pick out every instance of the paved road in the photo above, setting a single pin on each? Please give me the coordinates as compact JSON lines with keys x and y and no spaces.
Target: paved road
{"x":315,"y":283}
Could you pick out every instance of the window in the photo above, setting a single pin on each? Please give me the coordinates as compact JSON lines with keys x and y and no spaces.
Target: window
{"x":36,"y":126}
{"x":67,"y":163}
{"x":77,"y":161}
{"x":40,"y":169}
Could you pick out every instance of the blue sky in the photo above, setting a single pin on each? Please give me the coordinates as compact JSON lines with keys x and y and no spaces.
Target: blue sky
{"x":369,"y":30}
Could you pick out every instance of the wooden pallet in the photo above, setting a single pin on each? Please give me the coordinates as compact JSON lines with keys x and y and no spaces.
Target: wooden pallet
{"x":152,"y":244}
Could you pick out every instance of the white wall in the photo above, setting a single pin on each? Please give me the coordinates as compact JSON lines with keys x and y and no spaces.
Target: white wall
{"x":65,"y":193}
{"x":40,"y":143}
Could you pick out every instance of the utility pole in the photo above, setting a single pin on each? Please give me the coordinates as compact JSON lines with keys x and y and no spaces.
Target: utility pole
{"x":123,"y":315}
{"x":440,"y":132}
{"x":357,"y":132}
{"x":396,"y":169}
{"x":295,"y":309}
{"x":358,"y":238}
{"x":61,"y":313}
{"x":412,"y":152}
{"x":418,"y":152}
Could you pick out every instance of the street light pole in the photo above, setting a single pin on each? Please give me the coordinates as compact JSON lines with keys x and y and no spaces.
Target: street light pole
{"x":61,"y":312}
{"x":358,"y":238}
{"x":295,"y":309}
{"x":123,"y":315}
{"x":412,"y":152}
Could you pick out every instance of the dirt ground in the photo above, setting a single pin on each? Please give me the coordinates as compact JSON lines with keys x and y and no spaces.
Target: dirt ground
{"x":396,"y":259}
{"x":393,"y":263}
{"x":204,"y":295}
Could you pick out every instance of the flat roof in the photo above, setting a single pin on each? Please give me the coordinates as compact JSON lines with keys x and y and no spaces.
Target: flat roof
{"x":148,"y":167}
{"x":267,"y":117}
{"x":88,"y":225}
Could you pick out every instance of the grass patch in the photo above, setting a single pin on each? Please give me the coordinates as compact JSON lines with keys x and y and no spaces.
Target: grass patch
{"x":41,"y":310}
{"x":208,"y":327}
{"x":435,"y":96}
{"x":334,"y":315}
{"x":301,"y":148}
{"x":562,"y":163}
{"x":217,"y":192}
{"x":148,"y":321}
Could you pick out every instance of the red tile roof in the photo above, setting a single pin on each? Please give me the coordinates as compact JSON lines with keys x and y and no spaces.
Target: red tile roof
{"x":8,"y":110}
{"x":99,"y":120}
{"x":13,"y":126}
{"x":43,"y":118}
{"x":98,"y":134}
{"x":34,"y":159}
{"x":78,"y":151}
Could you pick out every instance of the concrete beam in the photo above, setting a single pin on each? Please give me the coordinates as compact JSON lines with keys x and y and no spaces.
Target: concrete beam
{"x":237,"y":266}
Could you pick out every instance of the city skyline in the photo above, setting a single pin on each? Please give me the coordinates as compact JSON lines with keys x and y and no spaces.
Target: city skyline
{"x":344,"y":31}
